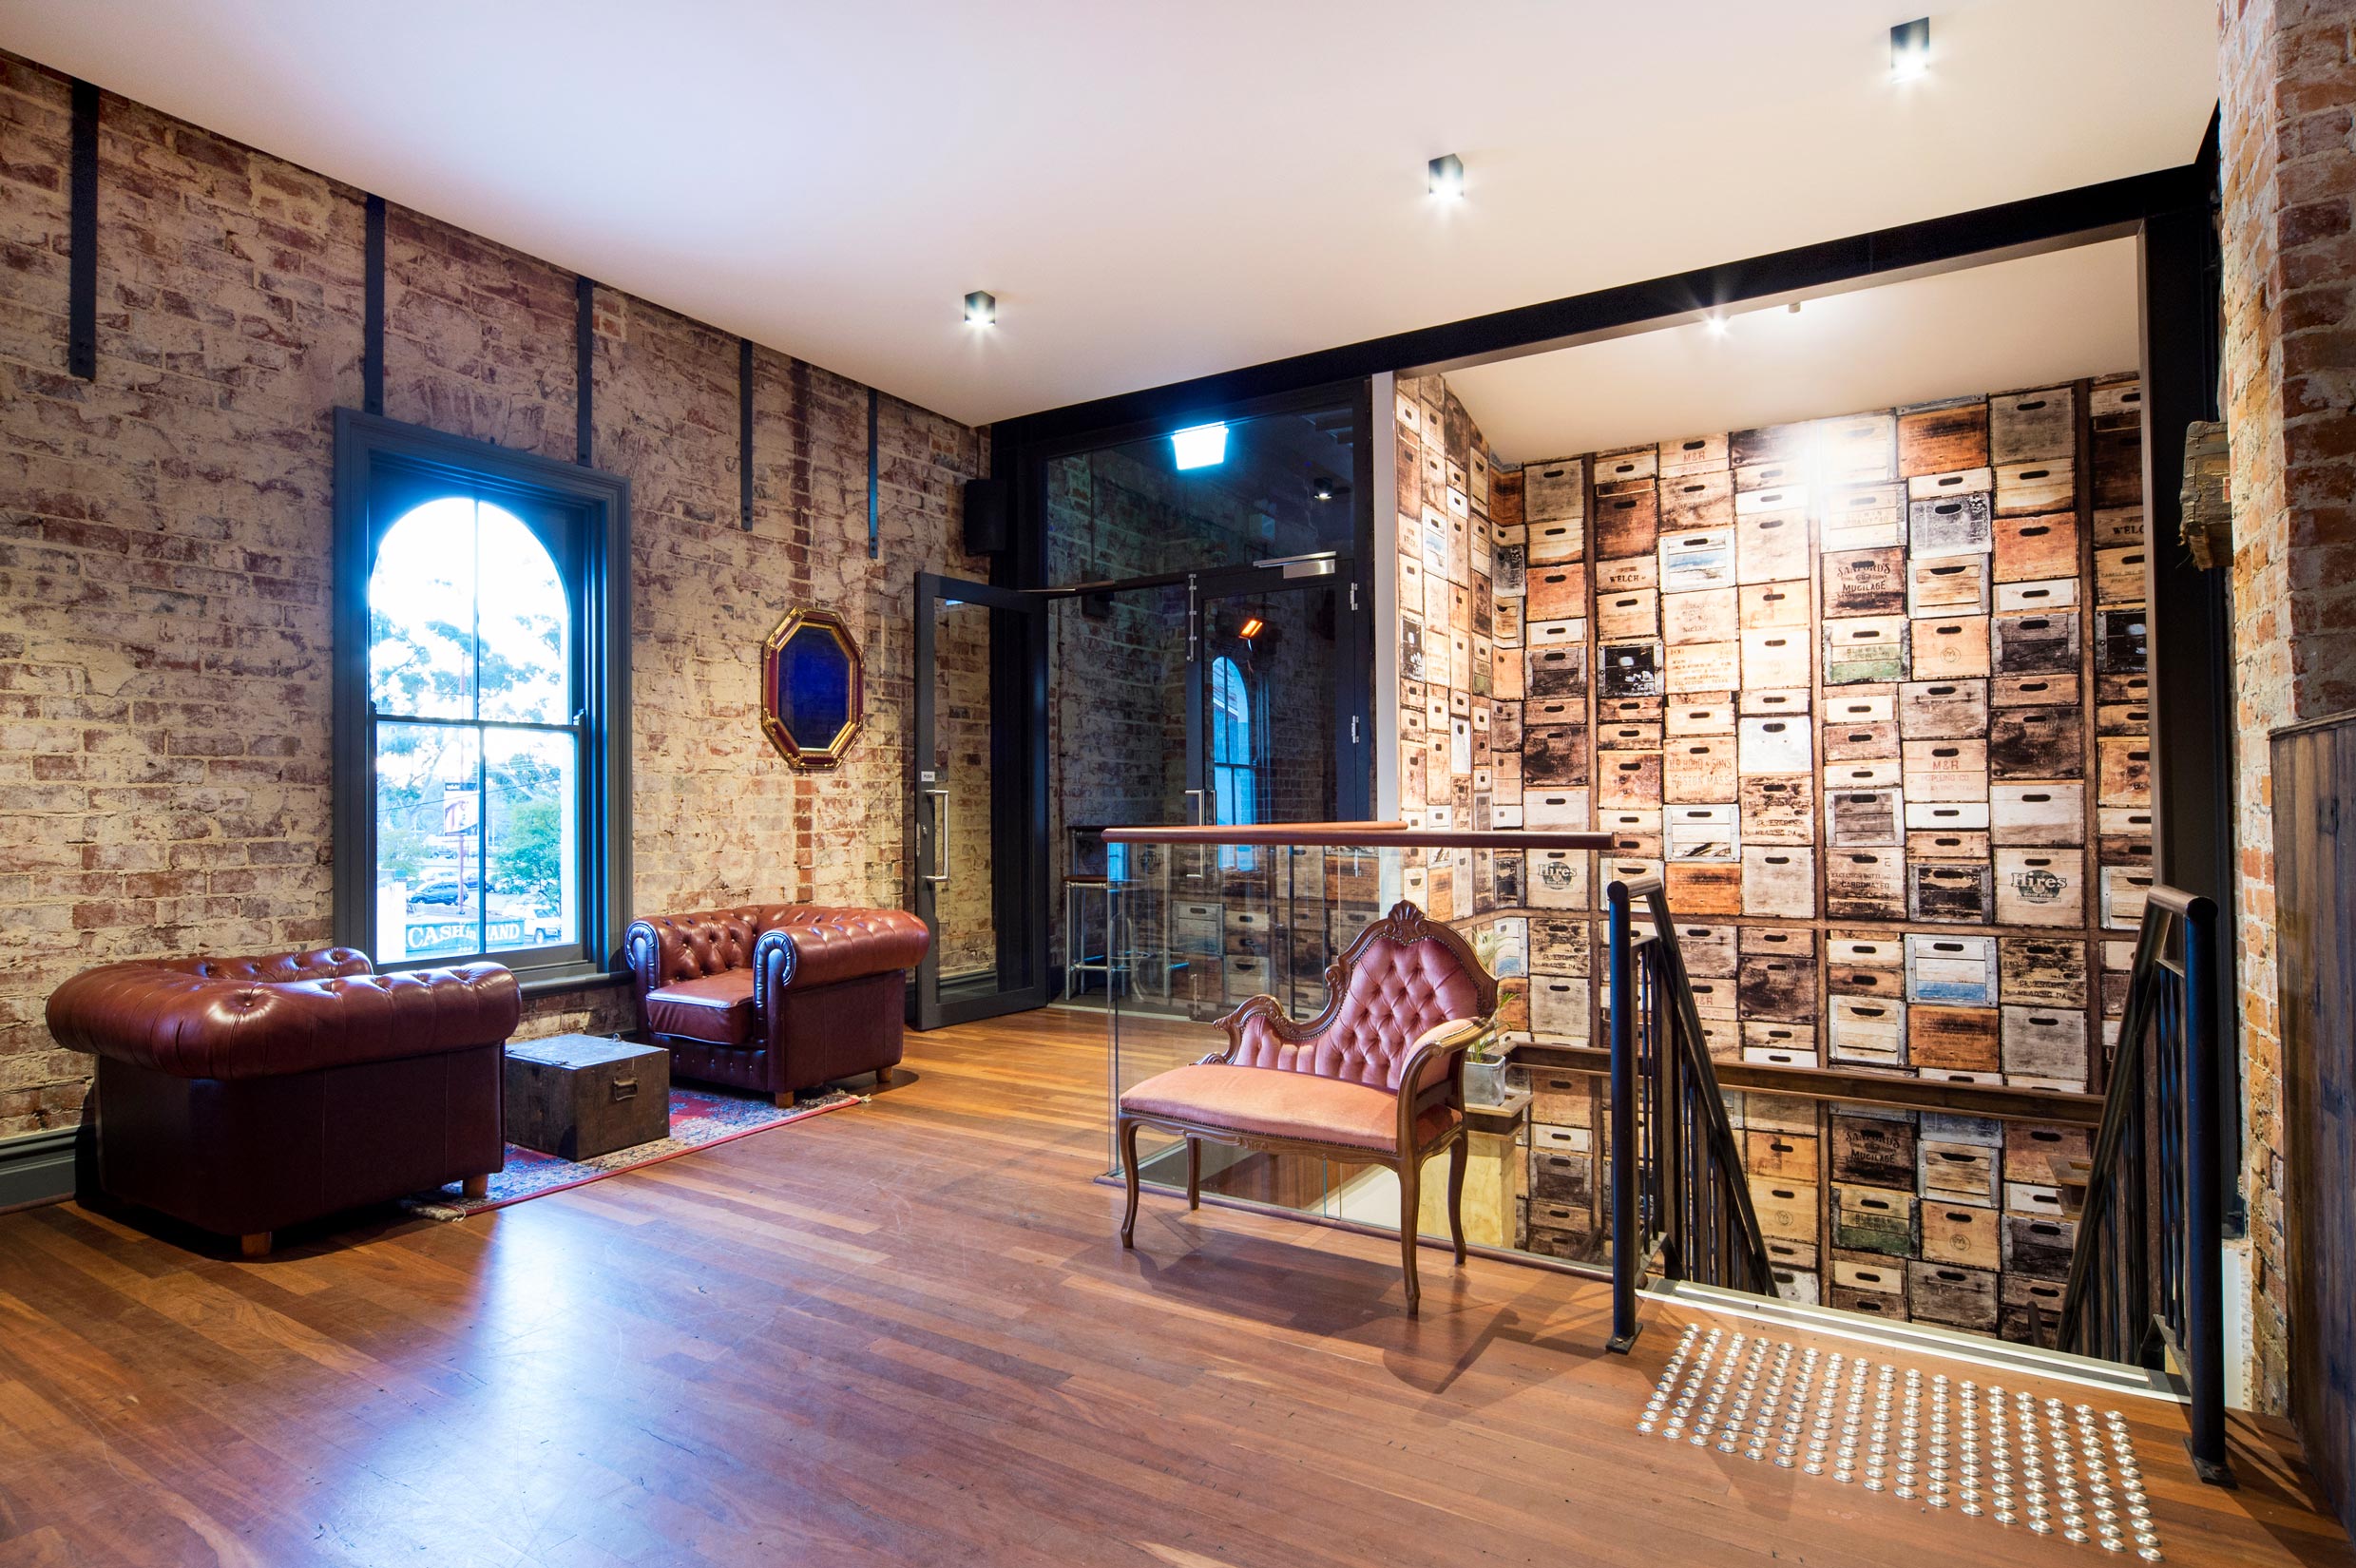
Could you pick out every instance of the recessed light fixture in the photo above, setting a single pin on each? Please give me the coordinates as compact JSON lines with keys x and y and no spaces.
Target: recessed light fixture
{"x":1444,"y":177}
{"x":981,"y":309}
{"x":1715,"y":321}
{"x":1909,"y":50}
{"x":1198,"y":446}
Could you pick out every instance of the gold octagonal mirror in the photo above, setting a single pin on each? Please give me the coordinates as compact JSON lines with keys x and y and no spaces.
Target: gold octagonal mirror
{"x":810,"y":689}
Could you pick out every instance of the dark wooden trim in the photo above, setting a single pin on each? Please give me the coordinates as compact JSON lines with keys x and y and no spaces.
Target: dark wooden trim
{"x":373,"y":308}
{"x":82,"y":238}
{"x":584,"y":370}
{"x":1362,"y":835}
{"x":600,"y":583}
{"x":37,"y":1168}
{"x":1833,"y":1085}
{"x":744,"y":433}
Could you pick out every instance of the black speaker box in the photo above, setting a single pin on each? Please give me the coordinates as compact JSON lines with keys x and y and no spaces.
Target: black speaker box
{"x":986,"y":516}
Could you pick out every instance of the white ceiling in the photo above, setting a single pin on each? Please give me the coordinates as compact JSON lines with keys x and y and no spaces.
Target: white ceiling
{"x":1152,"y":191}
{"x":1994,"y":328}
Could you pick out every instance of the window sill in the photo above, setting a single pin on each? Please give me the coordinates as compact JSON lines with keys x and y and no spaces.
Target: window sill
{"x":570,"y":983}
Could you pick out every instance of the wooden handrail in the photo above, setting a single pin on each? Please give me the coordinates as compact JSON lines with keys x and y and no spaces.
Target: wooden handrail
{"x":1358,"y":836}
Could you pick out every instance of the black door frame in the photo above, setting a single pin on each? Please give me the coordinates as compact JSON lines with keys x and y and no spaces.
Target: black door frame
{"x":2170,"y":213}
{"x":1018,"y":825}
{"x":1351,"y":785}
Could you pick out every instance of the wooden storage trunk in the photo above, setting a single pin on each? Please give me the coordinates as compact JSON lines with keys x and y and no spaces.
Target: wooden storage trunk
{"x":577,"y":1096}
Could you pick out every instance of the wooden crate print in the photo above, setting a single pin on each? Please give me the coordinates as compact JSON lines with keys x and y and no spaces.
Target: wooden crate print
{"x":1939,"y":616}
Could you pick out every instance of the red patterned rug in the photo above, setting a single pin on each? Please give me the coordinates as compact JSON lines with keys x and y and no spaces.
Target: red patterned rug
{"x":700,"y":1119}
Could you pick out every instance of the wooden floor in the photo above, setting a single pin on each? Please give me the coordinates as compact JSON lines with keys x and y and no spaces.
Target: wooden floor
{"x":904,"y":1334}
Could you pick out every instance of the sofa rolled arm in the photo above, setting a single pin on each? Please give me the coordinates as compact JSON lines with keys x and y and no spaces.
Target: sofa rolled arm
{"x":211,"y":1019}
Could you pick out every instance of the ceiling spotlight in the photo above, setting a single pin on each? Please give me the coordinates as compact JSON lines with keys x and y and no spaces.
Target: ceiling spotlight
{"x":1909,"y":50}
{"x":1198,"y":446}
{"x":1793,"y":307}
{"x":1323,"y":491}
{"x":1444,"y":177}
{"x":981,"y":309}
{"x":1251,"y":627}
{"x":1716,"y":323}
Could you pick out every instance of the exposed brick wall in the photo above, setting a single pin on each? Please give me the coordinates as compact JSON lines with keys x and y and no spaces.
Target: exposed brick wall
{"x":2287,"y":86}
{"x":165,"y":544}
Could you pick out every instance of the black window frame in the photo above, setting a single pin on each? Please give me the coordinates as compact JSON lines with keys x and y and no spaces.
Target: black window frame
{"x":593,"y":557}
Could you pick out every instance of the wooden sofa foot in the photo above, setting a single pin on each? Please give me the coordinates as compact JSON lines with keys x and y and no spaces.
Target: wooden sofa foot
{"x":883,"y":1078}
{"x":475,"y":1188}
{"x":257,"y":1244}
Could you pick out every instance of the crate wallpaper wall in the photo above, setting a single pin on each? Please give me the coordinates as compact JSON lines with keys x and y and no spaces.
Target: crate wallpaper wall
{"x":1868,"y":693}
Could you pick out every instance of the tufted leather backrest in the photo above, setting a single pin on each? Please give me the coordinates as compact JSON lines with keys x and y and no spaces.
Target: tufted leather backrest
{"x":665,"y":950}
{"x":827,"y":944}
{"x":1394,"y":989}
{"x":282,"y":1013}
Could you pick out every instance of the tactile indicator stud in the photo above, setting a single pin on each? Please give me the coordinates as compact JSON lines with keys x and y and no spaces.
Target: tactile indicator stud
{"x":1749,"y":1395}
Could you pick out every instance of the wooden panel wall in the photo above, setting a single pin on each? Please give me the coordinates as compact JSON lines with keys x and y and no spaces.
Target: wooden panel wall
{"x":1869,"y":691}
{"x":2315,"y":866}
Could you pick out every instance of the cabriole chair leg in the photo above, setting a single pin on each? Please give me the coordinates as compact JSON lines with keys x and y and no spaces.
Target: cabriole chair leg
{"x":1460,"y":1156}
{"x":1411,"y":1209}
{"x":1128,"y":1171}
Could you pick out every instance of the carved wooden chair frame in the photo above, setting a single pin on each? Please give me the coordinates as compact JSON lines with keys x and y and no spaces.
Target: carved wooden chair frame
{"x":1405,"y":925}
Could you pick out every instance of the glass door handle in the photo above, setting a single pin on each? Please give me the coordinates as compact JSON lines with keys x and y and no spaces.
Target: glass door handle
{"x":940,"y":836}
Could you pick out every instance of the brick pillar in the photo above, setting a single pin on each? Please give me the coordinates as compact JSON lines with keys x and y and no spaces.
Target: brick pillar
{"x":2286,"y":74}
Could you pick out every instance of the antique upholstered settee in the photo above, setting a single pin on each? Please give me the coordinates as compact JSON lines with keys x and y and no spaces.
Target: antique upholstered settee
{"x":244,"y":1095}
{"x":1377,"y":1078}
{"x":776,"y":997}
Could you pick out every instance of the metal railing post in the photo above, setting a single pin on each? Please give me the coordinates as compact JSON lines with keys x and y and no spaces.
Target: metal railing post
{"x":2204,"y":1285}
{"x":1629,"y":1244}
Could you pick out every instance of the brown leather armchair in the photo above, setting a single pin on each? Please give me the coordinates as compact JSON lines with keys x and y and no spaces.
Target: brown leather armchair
{"x":244,"y":1095}
{"x":776,"y":997}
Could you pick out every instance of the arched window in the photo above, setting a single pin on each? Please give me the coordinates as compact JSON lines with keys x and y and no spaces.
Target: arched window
{"x":482,"y":726}
{"x":478,"y":749}
{"x":1236,"y":740}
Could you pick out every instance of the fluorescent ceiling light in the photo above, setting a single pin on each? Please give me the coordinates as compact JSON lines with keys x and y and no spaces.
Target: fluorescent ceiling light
{"x":1909,"y":50}
{"x":1199,"y":446}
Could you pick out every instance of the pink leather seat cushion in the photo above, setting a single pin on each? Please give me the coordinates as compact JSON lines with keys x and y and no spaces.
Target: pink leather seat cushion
{"x":717,"y":1009}
{"x":1274,"y":1103}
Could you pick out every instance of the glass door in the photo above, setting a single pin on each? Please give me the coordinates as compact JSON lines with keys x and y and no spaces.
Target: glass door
{"x":1272,"y":730}
{"x":975,"y":814}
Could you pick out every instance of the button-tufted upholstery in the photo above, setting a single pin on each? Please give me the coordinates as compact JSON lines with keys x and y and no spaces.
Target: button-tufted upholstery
{"x":1335,"y":1081}
{"x":776,"y":997}
{"x":1396,"y":990}
{"x":243,"y":1095}
{"x":240,"y":1018}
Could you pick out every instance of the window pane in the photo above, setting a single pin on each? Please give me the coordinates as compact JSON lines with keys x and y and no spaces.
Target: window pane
{"x":421,"y":613}
{"x":533,"y":838}
{"x":525,"y":652}
{"x":428,"y":857}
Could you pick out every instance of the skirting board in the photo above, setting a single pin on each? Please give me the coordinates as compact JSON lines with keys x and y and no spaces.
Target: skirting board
{"x":37,"y":1168}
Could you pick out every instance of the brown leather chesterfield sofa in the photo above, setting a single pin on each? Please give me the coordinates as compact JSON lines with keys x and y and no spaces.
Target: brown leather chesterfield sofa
{"x":244,"y":1095}
{"x":776,"y":997}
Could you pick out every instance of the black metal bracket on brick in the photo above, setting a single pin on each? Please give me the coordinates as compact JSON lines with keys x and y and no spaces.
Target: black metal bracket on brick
{"x":744,"y":433}
{"x":372,"y":310}
{"x":873,"y":510}
{"x":585,"y":367}
{"x":82,"y":239}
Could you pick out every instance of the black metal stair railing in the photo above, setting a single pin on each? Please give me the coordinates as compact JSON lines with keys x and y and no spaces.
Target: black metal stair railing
{"x":1681,"y":1203}
{"x":2147,"y":1277}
